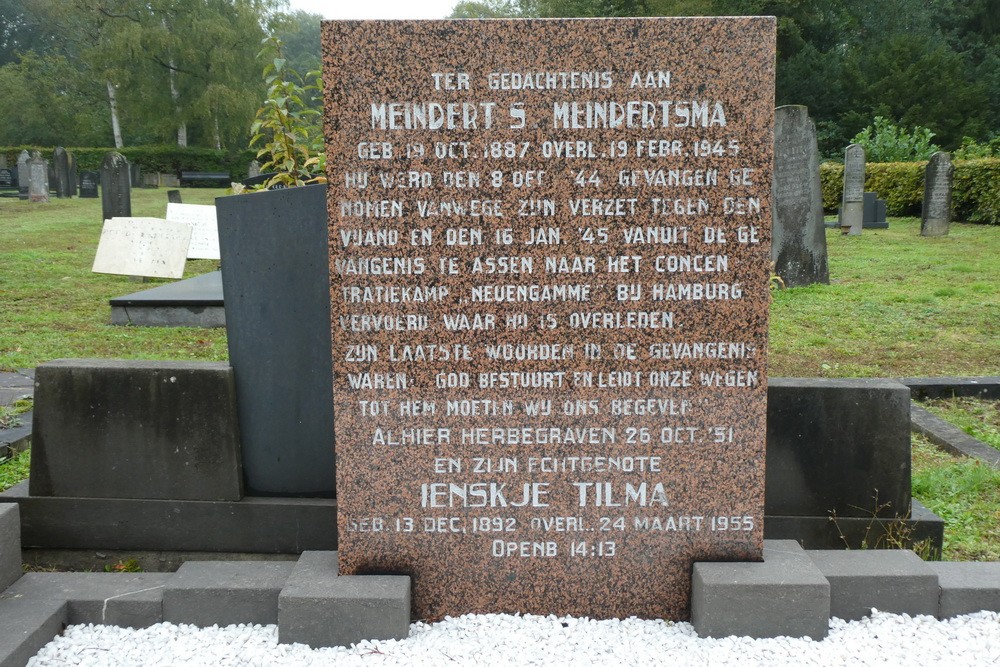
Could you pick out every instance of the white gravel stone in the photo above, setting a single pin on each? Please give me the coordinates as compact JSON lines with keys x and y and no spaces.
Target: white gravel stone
{"x":492,"y":639}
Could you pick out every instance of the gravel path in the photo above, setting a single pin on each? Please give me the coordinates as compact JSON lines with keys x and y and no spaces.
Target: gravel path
{"x":494,"y":639}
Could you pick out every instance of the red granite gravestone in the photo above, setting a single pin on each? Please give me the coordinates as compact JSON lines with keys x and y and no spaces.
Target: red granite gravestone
{"x":549,"y":253}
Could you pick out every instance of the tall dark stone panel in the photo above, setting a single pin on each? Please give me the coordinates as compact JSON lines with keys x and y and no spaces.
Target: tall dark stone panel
{"x":60,"y":160}
{"x":116,"y":189}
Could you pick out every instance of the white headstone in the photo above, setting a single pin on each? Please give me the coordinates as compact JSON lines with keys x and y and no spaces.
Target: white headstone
{"x":204,"y":228}
{"x":148,"y":247}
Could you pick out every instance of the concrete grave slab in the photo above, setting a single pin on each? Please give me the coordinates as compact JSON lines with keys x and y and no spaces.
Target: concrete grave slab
{"x":10,"y":545}
{"x":135,"y":429}
{"x":225,"y":593}
{"x":967,"y":588}
{"x":155,"y":249}
{"x":786,"y":595}
{"x":896,"y":581}
{"x":194,"y":302}
{"x":319,"y":608}
{"x":125,"y":599}
{"x":28,"y":625}
{"x":204,"y":228}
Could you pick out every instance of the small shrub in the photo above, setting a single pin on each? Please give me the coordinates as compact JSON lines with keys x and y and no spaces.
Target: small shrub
{"x":885,"y":141}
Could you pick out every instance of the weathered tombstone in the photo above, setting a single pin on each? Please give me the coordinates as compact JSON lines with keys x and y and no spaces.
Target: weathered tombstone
{"x":38,"y":178}
{"x":8,"y":178}
{"x":173,"y":196}
{"x":74,"y":177}
{"x":134,"y":175}
{"x":798,"y":237}
{"x":53,"y":178}
{"x":854,"y":190}
{"x":60,"y":162}
{"x":88,"y":185}
{"x":935,"y":216}
{"x":22,"y":175}
{"x":204,"y":228}
{"x":116,"y":191}
{"x":149,"y":247}
{"x":253,"y":169}
{"x":549,"y":358}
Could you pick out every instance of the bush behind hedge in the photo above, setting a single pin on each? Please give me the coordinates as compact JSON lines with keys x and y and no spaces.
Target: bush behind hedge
{"x":975,"y":197}
{"x":163,"y":159}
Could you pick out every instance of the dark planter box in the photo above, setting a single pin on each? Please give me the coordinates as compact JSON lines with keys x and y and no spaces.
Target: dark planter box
{"x":275,"y":278}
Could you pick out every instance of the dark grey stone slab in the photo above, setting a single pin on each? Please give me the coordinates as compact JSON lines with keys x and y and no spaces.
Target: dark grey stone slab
{"x":935,"y":214}
{"x":834,"y":445}
{"x":319,"y":608}
{"x":921,"y":529}
{"x":89,"y":182}
{"x":10,"y":545}
{"x":222,"y":593}
{"x":798,"y":237}
{"x":194,"y":302}
{"x":258,"y":525}
{"x":949,"y":437}
{"x":967,"y":588}
{"x":116,"y":188}
{"x":60,"y":163}
{"x":28,"y":625}
{"x":135,"y":429}
{"x":949,"y":387}
{"x":125,"y":599}
{"x":896,"y":581}
{"x":784,"y":596}
{"x":276,"y":280}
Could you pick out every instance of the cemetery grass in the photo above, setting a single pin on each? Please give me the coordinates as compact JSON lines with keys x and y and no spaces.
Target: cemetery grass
{"x":52,"y":306}
{"x":898,"y":305}
{"x":977,"y":417}
{"x":14,"y":469}
{"x":966,"y":494}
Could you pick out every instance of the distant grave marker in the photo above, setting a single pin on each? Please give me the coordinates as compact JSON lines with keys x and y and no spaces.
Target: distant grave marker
{"x":798,"y":237}
{"x":22,"y":175}
{"x":852,"y":219}
{"x":38,"y":178}
{"x":74,"y":177}
{"x":935,"y":216}
{"x":60,"y":161}
{"x":204,"y":228}
{"x":116,"y":190}
{"x":148,"y":247}
{"x":89,"y":181}
{"x":549,"y":348}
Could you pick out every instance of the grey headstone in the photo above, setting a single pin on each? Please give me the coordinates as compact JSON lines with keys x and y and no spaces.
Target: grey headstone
{"x":936,"y":214}
{"x":854,"y":190}
{"x":173,"y":196}
{"x":10,"y":544}
{"x":798,"y":237}
{"x":135,"y":175}
{"x":253,"y":169}
{"x":38,"y":178}
{"x":8,"y":178}
{"x":52,"y":177}
{"x":74,"y":177}
{"x":275,"y":276}
{"x":89,"y":181}
{"x":880,"y":212}
{"x":135,"y":429}
{"x":22,"y":174}
{"x":60,"y":161}
{"x":116,"y":191}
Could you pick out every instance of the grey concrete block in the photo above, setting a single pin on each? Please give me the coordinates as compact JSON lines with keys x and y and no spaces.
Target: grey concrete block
{"x":225,"y":593}
{"x":126,"y":599}
{"x":786,"y":595}
{"x":967,"y":588}
{"x":834,"y":445}
{"x":28,"y":625}
{"x":10,"y":545}
{"x":135,"y":429}
{"x":319,"y":608}
{"x":895,"y":581}
{"x":276,"y":276}
{"x":948,"y":387}
{"x":195,"y":302}
{"x":253,"y":525}
{"x":951,"y":438}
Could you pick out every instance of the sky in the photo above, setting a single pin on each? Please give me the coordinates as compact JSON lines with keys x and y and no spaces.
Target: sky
{"x":376,"y":9}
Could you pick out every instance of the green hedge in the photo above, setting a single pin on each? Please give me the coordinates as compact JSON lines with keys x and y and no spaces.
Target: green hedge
{"x":163,"y":159}
{"x":975,"y":198}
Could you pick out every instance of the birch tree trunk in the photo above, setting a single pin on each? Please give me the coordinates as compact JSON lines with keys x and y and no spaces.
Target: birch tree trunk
{"x":115,"y":126}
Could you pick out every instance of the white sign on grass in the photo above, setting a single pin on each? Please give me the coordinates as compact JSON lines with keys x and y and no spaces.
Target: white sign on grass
{"x":204,"y":228}
{"x":148,"y":247}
